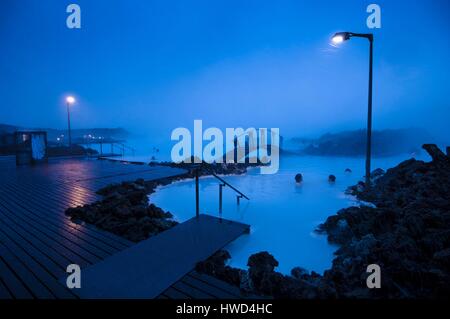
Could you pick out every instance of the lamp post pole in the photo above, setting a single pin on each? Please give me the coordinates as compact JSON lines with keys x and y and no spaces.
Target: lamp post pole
{"x":69,"y":101}
{"x":68,"y":123}
{"x":369,"y":115}
{"x":344,"y":36}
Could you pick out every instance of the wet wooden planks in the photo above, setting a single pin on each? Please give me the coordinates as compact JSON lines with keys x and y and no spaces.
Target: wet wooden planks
{"x":37,"y":240}
{"x":200,"y":286}
{"x":148,"y":268}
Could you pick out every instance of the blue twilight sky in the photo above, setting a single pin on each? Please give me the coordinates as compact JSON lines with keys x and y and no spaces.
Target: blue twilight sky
{"x":151,"y":66}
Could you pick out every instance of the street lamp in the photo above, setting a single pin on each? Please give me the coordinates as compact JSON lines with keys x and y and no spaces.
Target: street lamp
{"x":339,"y":38}
{"x":69,"y":101}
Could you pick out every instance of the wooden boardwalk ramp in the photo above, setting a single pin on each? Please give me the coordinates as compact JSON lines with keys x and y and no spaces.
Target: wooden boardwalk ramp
{"x":148,"y":268}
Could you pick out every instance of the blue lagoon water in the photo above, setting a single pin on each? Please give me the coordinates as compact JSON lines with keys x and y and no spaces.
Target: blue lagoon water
{"x":282,"y":214}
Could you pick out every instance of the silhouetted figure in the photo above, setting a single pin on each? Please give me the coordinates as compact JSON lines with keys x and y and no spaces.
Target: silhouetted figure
{"x":331,"y":178}
{"x":299,"y":178}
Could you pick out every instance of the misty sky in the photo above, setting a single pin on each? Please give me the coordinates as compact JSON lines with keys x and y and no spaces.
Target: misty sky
{"x":151,"y":66}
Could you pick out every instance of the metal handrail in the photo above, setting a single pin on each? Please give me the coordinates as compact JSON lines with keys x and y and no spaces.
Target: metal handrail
{"x":121,"y":147}
{"x":127,"y":147}
{"x":231,"y":186}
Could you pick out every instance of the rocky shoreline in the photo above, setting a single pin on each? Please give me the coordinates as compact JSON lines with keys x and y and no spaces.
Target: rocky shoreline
{"x":406,"y":233}
{"x":125,"y":209}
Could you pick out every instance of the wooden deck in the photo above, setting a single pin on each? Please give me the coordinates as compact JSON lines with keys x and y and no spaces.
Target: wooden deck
{"x":151,"y":266}
{"x":37,"y":241}
{"x":200,"y":286}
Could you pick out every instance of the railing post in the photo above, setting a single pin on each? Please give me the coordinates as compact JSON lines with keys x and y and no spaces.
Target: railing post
{"x":238,"y":197}
{"x":197,"y":197}
{"x":220,"y":201}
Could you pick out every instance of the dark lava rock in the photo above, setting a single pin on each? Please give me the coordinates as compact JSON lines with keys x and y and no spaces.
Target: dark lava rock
{"x":299,"y":273}
{"x":125,"y":211}
{"x":216,"y":266}
{"x":208,"y":168}
{"x":261,"y":279}
{"x":348,"y":170}
{"x":354,"y":222}
{"x":265,"y":281}
{"x":376,"y":174}
{"x":298,"y":178}
{"x":407,"y":233}
{"x":262,"y":262}
{"x":443,"y":257}
{"x":436,"y":154}
{"x":261,"y":273}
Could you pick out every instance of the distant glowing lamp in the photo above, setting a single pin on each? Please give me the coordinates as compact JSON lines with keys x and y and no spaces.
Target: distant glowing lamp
{"x":337,"y":39}
{"x":70,"y":100}
{"x":341,"y":37}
